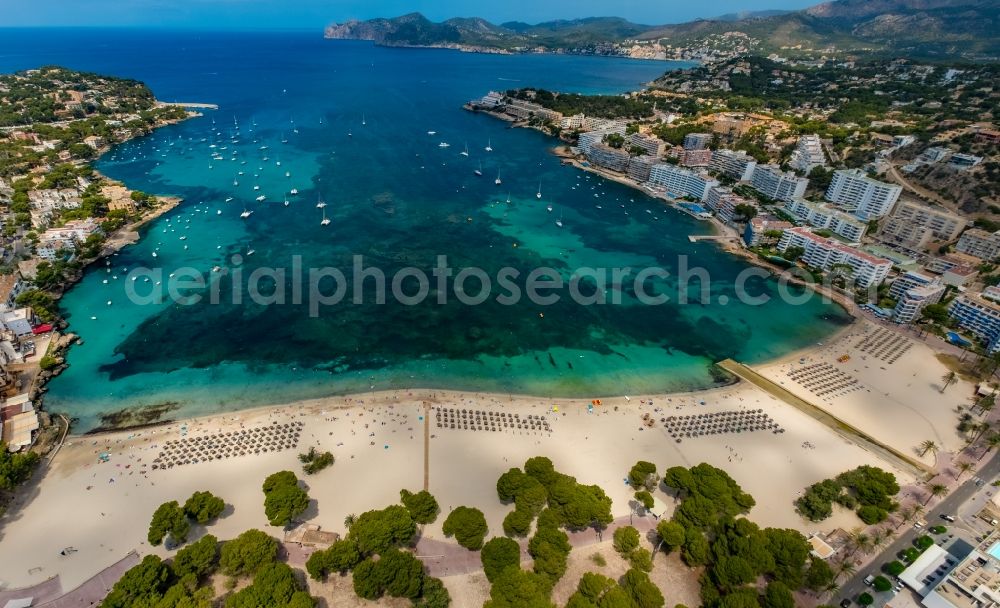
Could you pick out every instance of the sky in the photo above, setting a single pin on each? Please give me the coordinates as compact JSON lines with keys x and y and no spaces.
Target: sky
{"x":314,"y":14}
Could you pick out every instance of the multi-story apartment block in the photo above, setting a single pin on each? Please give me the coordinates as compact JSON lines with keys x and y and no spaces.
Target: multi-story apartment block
{"x":824,"y":253}
{"x":912,"y":301}
{"x":697,"y":141}
{"x":735,"y":164}
{"x":680,"y":182}
{"x":639,"y":167}
{"x":852,"y":190}
{"x":980,"y":243}
{"x":980,"y":315}
{"x":588,"y":139}
{"x":819,"y":215}
{"x":651,"y":146}
{"x":603,"y":155}
{"x":808,"y":154}
{"x":909,"y":280}
{"x":761,"y":230}
{"x":723,"y":203}
{"x":914,"y":225}
{"x":780,"y":185}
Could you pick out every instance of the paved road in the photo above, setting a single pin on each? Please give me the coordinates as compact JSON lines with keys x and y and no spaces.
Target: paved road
{"x":855,"y":585}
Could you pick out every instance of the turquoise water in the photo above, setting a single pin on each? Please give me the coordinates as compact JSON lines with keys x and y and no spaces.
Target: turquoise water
{"x":355,"y":121}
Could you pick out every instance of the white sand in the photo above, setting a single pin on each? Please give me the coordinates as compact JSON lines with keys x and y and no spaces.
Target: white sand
{"x":900,"y":403}
{"x":107,"y":520}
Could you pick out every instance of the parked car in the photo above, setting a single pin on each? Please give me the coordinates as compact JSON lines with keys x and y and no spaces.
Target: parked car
{"x":845,"y":603}
{"x":947,"y":517}
{"x":870,"y":579}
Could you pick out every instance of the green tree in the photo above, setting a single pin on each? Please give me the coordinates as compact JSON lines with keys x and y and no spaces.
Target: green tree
{"x":865,"y":599}
{"x":626,"y":540}
{"x":247,"y":553}
{"x":881,"y":584}
{"x":510,"y":483}
{"x":15,"y":469}
{"x":642,"y":591}
{"x":643,"y":476}
{"x":777,"y":595}
{"x":641,"y":559}
{"x":467,"y":525}
{"x":374,"y":532}
{"x":203,"y":507}
{"x":198,"y":559}
{"x":142,"y":585}
{"x":168,"y":520}
{"x":274,"y":586}
{"x":645,"y":499}
{"x":671,"y":534}
{"x":498,"y":554}
{"x":433,"y":595}
{"x":423,"y":507}
{"x":284,"y":500}
{"x":515,"y":588}
{"x":340,"y":557}
{"x":517,"y":523}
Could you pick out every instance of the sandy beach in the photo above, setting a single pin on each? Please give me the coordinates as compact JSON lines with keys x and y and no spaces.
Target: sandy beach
{"x":378,"y":441}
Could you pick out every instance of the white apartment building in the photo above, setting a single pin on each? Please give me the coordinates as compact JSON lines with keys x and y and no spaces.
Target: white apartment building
{"x":652,"y":146}
{"x":723,"y":202}
{"x":852,"y":190}
{"x":603,"y":155}
{"x":680,"y":182}
{"x":780,"y":185}
{"x":819,"y":215}
{"x":825,"y":253}
{"x":808,"y":154}
{"x":909,"y":280}
{"x":977,"y":242}
{"x":588,"y":139}
{"x":914,"y":225}
{"x":980,"y":315}
{"x":735,"y":164}
{"x":913,"y":300}
{"x":758,"y":229}
{"x":697,"y":141}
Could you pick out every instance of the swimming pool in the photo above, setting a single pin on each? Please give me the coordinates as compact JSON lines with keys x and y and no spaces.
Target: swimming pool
{"x":994,"y":550}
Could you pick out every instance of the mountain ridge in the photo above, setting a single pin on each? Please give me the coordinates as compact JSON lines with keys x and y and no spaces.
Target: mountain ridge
{"x":942,"y":28}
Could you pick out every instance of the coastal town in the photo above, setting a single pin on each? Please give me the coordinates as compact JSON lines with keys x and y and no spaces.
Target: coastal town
{"x":862,"y":469}
{"x":59,"y":215}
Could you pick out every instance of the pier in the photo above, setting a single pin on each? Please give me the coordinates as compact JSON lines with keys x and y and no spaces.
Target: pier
{"x":183,"y":104}
{"x":694,"y":238}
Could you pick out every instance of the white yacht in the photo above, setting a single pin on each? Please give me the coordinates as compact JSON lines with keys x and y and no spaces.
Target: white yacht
{"x":497,"y":180}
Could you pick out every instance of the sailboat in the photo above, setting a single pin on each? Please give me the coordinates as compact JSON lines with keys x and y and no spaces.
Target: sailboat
{"x":497,"y":180}
{"x":538,"y":194}
{"x":489,"y":146}
{"x":325,"y":220}
{"x":320,"y":204}
{"x":250,"y":250}
{"x":479,"y":171}
{"x":508,"y":198}
{"x":559,"y":221}
{"x":549,"y":208}
{"x":246,"y":213}
{"x":465,"y":152}
{"x":363,"y":121}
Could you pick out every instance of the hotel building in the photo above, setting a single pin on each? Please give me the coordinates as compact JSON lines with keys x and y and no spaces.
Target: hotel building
{"x":780,"y":185}
{"x":680,"y":182}
{"x":819,"y":215}
{"x":852,"y":190}
{"x":824,"y":253}
{"x":735,"y":164}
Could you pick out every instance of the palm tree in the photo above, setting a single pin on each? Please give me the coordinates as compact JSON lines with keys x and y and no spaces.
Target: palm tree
{"x":859,"y":541}
{"x":935,"y":490}
{"x":948,"y":380}
{"x":986,"y":403}
{"x":906,"y":516}
{"x":927,"y":446}
{"x":963,"y":468}
{"x":349,"y":520}
{"x":991,"y":443}
{"x":845,"y":567}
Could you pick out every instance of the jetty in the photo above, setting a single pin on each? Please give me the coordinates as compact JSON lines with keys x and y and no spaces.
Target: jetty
{"x":184,"y":104}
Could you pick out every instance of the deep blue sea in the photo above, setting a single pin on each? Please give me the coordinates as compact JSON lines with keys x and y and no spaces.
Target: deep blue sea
{"x":349,"y":123}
